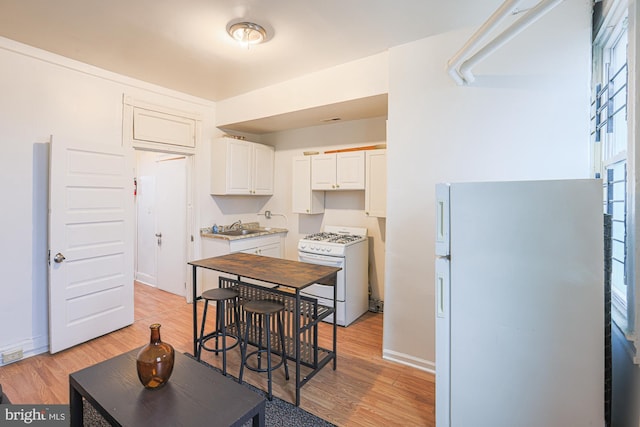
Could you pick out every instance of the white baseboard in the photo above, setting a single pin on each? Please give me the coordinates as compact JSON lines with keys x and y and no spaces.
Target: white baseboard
{"x":405,"y":359}
{"x":146,"y":279}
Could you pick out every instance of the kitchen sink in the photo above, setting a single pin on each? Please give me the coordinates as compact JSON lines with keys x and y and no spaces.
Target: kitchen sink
{"x":241,"y":232}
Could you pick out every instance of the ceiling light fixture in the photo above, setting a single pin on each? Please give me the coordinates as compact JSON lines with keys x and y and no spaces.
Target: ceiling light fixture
{"x":247,"y":33}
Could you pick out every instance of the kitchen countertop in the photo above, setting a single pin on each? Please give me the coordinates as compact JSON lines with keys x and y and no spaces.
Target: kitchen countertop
{"x":263,"y":231}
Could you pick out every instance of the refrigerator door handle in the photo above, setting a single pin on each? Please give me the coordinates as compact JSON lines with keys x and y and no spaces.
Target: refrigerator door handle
{"x":442,"y":220}
{"x":442,"y":280}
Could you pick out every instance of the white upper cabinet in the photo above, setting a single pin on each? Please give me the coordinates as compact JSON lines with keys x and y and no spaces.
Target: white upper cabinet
{"x":241,"y":167}
{"x":375,"y":194}
{"x":263,"y":168}
{"x":303,"y":199}
{"x":338,"y":171}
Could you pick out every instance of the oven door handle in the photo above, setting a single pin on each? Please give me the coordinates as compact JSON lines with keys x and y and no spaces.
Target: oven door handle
{"x":320,"y":259}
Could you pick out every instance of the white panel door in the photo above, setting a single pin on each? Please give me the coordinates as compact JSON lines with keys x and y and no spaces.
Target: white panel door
{"x":171,"y":226}
{"x":145,"y":269}
{"x":91,"y":220}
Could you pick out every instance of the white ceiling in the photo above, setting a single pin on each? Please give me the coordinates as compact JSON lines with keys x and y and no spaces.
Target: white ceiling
{"x":183,"y":44}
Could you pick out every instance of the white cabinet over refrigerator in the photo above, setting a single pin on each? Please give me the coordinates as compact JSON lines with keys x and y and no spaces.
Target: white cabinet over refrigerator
{"x":338,"y":171}
{"x":519,"y":304}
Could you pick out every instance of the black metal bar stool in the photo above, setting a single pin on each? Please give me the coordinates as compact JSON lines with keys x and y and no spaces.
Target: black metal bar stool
{"x":220,"y":296}
{"x":263,"y":309}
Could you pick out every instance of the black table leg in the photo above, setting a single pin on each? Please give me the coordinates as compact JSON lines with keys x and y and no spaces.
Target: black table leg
{"x":335,"y":324}
{"x":259,"y":418}
{"x":195,"y":313}
{"x":296,"y":324}
{"x":75,"y":407}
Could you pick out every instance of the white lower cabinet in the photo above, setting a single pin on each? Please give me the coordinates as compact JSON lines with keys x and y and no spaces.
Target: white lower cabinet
{"x":267,"y":246}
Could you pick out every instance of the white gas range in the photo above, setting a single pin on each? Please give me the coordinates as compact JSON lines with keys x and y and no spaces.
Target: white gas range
{"x":347,"y":248}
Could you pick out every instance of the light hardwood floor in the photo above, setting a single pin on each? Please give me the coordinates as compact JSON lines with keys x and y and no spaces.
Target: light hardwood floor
{"x":365,"y":390}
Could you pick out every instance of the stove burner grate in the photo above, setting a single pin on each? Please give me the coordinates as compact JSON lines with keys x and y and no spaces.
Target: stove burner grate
{"x":333,"y":237}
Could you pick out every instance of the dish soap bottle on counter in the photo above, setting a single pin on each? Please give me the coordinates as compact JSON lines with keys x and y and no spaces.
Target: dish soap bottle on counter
{"x":214,"y":229}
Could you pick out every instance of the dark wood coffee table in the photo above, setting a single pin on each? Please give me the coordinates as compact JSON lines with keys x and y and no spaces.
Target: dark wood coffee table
{"x":195,"y":395}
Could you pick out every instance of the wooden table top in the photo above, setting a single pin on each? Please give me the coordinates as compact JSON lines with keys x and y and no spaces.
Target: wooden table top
{"x":293,"y":274}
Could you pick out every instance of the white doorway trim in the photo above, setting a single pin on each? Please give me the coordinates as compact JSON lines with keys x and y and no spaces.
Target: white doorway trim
{"x":162,"y":147}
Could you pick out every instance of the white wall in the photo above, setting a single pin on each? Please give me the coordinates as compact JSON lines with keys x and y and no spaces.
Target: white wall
{"x":44,"y":94}
{"x":525,"y":117}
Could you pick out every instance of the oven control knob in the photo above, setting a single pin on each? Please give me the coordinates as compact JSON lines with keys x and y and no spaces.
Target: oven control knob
{"x":329,"y":250}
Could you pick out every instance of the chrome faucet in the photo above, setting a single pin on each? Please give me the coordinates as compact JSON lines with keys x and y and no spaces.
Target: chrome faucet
{"x":236,"y":225}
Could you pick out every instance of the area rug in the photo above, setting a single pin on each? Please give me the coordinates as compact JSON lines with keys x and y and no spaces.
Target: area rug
{"x":278,"y":413}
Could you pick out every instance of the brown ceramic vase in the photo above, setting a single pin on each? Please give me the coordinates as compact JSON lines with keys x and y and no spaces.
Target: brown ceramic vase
{"x":155,"y":361}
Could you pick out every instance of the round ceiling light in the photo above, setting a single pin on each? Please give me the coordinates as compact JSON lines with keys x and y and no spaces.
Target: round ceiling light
{"x":247,"y":33}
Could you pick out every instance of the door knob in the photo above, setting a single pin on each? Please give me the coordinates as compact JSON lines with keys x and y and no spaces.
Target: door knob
{"x":58,"y":258}
{"x":158,"y":234}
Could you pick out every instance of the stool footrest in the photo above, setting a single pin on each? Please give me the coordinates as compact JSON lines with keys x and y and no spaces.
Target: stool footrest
{"x":257,"y":353}
{"x":218,"y":335}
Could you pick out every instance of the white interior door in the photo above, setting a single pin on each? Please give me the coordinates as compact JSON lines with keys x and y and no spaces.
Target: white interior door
{"x":91,"y":222}
{"x":171,"y":224}
{"x":145,"y":229}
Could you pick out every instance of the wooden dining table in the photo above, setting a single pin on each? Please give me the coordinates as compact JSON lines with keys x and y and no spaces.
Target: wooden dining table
{"x":293,"y":275}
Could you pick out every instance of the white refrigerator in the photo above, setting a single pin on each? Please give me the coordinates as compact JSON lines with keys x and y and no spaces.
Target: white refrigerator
{"x":520,"y":304}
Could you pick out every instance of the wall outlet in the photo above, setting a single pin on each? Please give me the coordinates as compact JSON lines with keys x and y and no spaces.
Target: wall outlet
{"x":12,"y":356}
